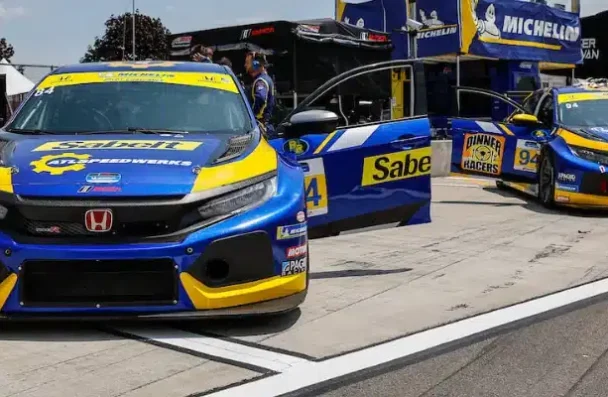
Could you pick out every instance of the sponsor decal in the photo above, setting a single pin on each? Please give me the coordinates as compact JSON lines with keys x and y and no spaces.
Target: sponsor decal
{"x":99,"y":189}
{"x":396,"y":166}
{"x":539,"y":133}
{"x":315,"y":186}
{"x":292,"y":267}
{"x":297,"y":251}
{"x":437,"y":32}
{"x":61,"y":163}
{"x":483,"y":153}
{"x":141,"y":64}
{"x":562,"y":199}
{"x":180,"y":42}
{"x":296,"y":146}
{"x":98,"y":220}
{"x":526,"y":156}
{"x":291,"y":231}
{"x":590,"y":50}
{"x":50,"y":229}
{"x":246,"y":33}
{"x":602,"y":169}
{"x":122,"y":144}
{"x":103,"y":177}
{"x":564,"y":177}
{"x":369,"y":36}
{"x":301,"y":216}
{"x":566,"y":188}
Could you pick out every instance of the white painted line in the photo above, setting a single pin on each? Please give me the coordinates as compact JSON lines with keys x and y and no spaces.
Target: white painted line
{"x":312,"y":373}
{"x":217,"y":348}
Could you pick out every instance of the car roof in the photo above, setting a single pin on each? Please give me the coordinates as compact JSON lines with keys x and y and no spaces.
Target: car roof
{"x":144,"y":66}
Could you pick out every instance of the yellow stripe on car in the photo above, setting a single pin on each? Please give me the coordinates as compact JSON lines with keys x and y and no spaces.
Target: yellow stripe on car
{"x":506,"y":129}
{"x":205,"y":298}
{"x":262,"y":160}
{"x":6,"y":287}
{"x":218,"y":81}
{"x":581,"y":96}
{"x":325,"y":142}
{"x":6,"y":179}
{"x":577,"y":140}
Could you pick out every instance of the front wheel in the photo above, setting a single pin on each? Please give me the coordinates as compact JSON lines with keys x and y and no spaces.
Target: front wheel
{"x":546,"y":180}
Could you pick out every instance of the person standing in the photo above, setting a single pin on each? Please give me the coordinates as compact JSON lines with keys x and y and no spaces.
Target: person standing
{"x":202,"y":54}
{"x":262,"y":91}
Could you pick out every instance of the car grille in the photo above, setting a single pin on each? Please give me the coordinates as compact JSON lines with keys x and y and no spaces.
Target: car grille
{"x":98,"y":283}
{"x":146,"y":220}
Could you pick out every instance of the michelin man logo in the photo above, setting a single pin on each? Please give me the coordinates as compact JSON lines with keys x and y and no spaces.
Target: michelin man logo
{"x":360,"y":22}
{"x":487,"y":28}
{"x":431,"y":22}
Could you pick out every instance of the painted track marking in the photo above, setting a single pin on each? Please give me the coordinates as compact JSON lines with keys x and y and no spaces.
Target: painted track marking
{"x":218,"y":348}
{"x":308,"y":373}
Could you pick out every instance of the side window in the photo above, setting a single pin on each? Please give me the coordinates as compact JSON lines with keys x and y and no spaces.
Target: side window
{"x":545,"y":112}
{"x":531,"y":102}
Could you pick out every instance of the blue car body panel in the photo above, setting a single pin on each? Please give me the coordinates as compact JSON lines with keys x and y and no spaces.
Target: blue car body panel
{"x":335,"y":165}
{"x":512,"y":153}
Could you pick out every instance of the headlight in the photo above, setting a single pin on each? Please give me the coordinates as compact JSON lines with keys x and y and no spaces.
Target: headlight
{"x":240,"y":200}
{"x":591,"y":155}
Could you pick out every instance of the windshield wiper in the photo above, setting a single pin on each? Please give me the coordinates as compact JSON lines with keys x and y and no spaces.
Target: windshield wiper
{"x":30,"y":131}
{"x":154,"y":131}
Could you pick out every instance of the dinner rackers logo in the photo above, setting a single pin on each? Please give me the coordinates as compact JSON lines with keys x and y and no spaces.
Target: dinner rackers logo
{"x":483,"y":153}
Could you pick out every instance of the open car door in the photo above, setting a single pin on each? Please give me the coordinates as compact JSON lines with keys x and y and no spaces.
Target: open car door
{"x":362,"y":175}
{"x":508,"y":149}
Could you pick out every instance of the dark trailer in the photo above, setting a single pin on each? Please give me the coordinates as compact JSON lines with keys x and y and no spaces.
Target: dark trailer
{"x":302,"y":55}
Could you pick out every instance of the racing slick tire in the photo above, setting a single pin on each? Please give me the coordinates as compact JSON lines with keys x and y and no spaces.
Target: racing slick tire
{"x":546,"y":179}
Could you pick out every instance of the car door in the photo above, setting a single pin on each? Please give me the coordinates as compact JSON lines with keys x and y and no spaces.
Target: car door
{"x":507,"y":149}
{"x":364,"y":175}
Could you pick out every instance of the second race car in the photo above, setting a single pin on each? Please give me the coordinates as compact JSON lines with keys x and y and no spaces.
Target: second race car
{"x":554,"y":146}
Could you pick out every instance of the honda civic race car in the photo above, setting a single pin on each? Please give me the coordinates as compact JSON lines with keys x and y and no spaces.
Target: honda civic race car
{"x":146,"y":190}
{"x":554,"y":146}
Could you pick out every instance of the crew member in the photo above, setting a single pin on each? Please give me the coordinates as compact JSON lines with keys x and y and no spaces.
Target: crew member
{"x":262,"y":91}
{"x":202,"y":54}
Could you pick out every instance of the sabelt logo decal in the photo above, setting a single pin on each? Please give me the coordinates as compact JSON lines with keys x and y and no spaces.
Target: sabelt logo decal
{"x":483,"y":153}
{"x":122,"y":144}
{"x":60,"y":163}
{"x":297,"y":266}
{"x":396,"y":166}
{"x":291,"y":231}
{"x":295,"y":252}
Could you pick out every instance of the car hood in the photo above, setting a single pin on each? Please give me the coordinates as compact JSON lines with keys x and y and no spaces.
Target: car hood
{"x":109,"y":165}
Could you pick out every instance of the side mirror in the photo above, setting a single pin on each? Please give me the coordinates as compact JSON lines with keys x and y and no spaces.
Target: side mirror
{"x":525,"y":119}
{"x":311,"y":122}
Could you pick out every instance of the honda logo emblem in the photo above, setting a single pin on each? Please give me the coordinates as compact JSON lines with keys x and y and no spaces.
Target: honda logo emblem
{"x":98,"y":220}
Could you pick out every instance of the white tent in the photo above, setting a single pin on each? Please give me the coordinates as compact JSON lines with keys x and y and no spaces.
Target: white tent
{"x":16,"y":83}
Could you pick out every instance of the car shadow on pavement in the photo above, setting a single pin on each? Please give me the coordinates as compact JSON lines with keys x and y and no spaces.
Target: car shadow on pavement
{"x":51,"y":331}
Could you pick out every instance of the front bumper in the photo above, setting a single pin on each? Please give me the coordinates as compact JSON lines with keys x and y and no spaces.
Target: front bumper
{"x":160,"y":280}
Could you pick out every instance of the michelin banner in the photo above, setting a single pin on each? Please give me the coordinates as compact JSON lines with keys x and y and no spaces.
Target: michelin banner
{"x":440,"y":34}
{"x":514,"y":29}
{"x":381,"y":15}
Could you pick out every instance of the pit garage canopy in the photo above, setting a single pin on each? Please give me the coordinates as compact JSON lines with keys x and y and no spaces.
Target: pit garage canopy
{"x":303,"y":55}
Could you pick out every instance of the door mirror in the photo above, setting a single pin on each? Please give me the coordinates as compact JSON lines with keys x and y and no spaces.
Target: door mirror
{"x":311,"y":122}
{"x":525,"y":119}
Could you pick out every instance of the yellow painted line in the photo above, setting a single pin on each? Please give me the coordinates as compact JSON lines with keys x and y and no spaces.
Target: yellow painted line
{"x":506,"y":129}
{"x":325,"y":142}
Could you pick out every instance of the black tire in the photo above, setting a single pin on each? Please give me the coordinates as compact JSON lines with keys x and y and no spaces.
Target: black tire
{"x":546,"y":180}
{"x":501,"y":185}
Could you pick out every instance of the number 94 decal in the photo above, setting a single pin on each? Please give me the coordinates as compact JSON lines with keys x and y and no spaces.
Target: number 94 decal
{"x":316,"y":187}
{"x":526,"y":156}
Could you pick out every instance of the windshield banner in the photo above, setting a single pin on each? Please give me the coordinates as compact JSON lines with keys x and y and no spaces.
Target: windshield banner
{"x":440,"y":34}
{"x":518,"y":30}
{"x":209,"y":80}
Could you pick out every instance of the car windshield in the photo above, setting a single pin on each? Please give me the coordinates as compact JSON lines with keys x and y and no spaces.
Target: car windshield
{"x":583,"y":111}
{"x":96,"y":102}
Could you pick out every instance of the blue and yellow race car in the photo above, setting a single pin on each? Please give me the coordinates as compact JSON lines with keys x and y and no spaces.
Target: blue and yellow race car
{"x":147,"y":190}
{"x":554,"y":146}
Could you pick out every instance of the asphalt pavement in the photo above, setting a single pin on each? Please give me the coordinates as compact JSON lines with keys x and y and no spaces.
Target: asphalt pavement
{"x":563,"y":356}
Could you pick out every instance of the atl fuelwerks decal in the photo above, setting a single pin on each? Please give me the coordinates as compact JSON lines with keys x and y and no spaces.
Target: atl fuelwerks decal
{"x":60,"y":163}
{"x":293,"y":267}
{"x":483,"y":153}
{"x":119,"y":144}
{"x":396,"y":166}
{"x":291,"y":231}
